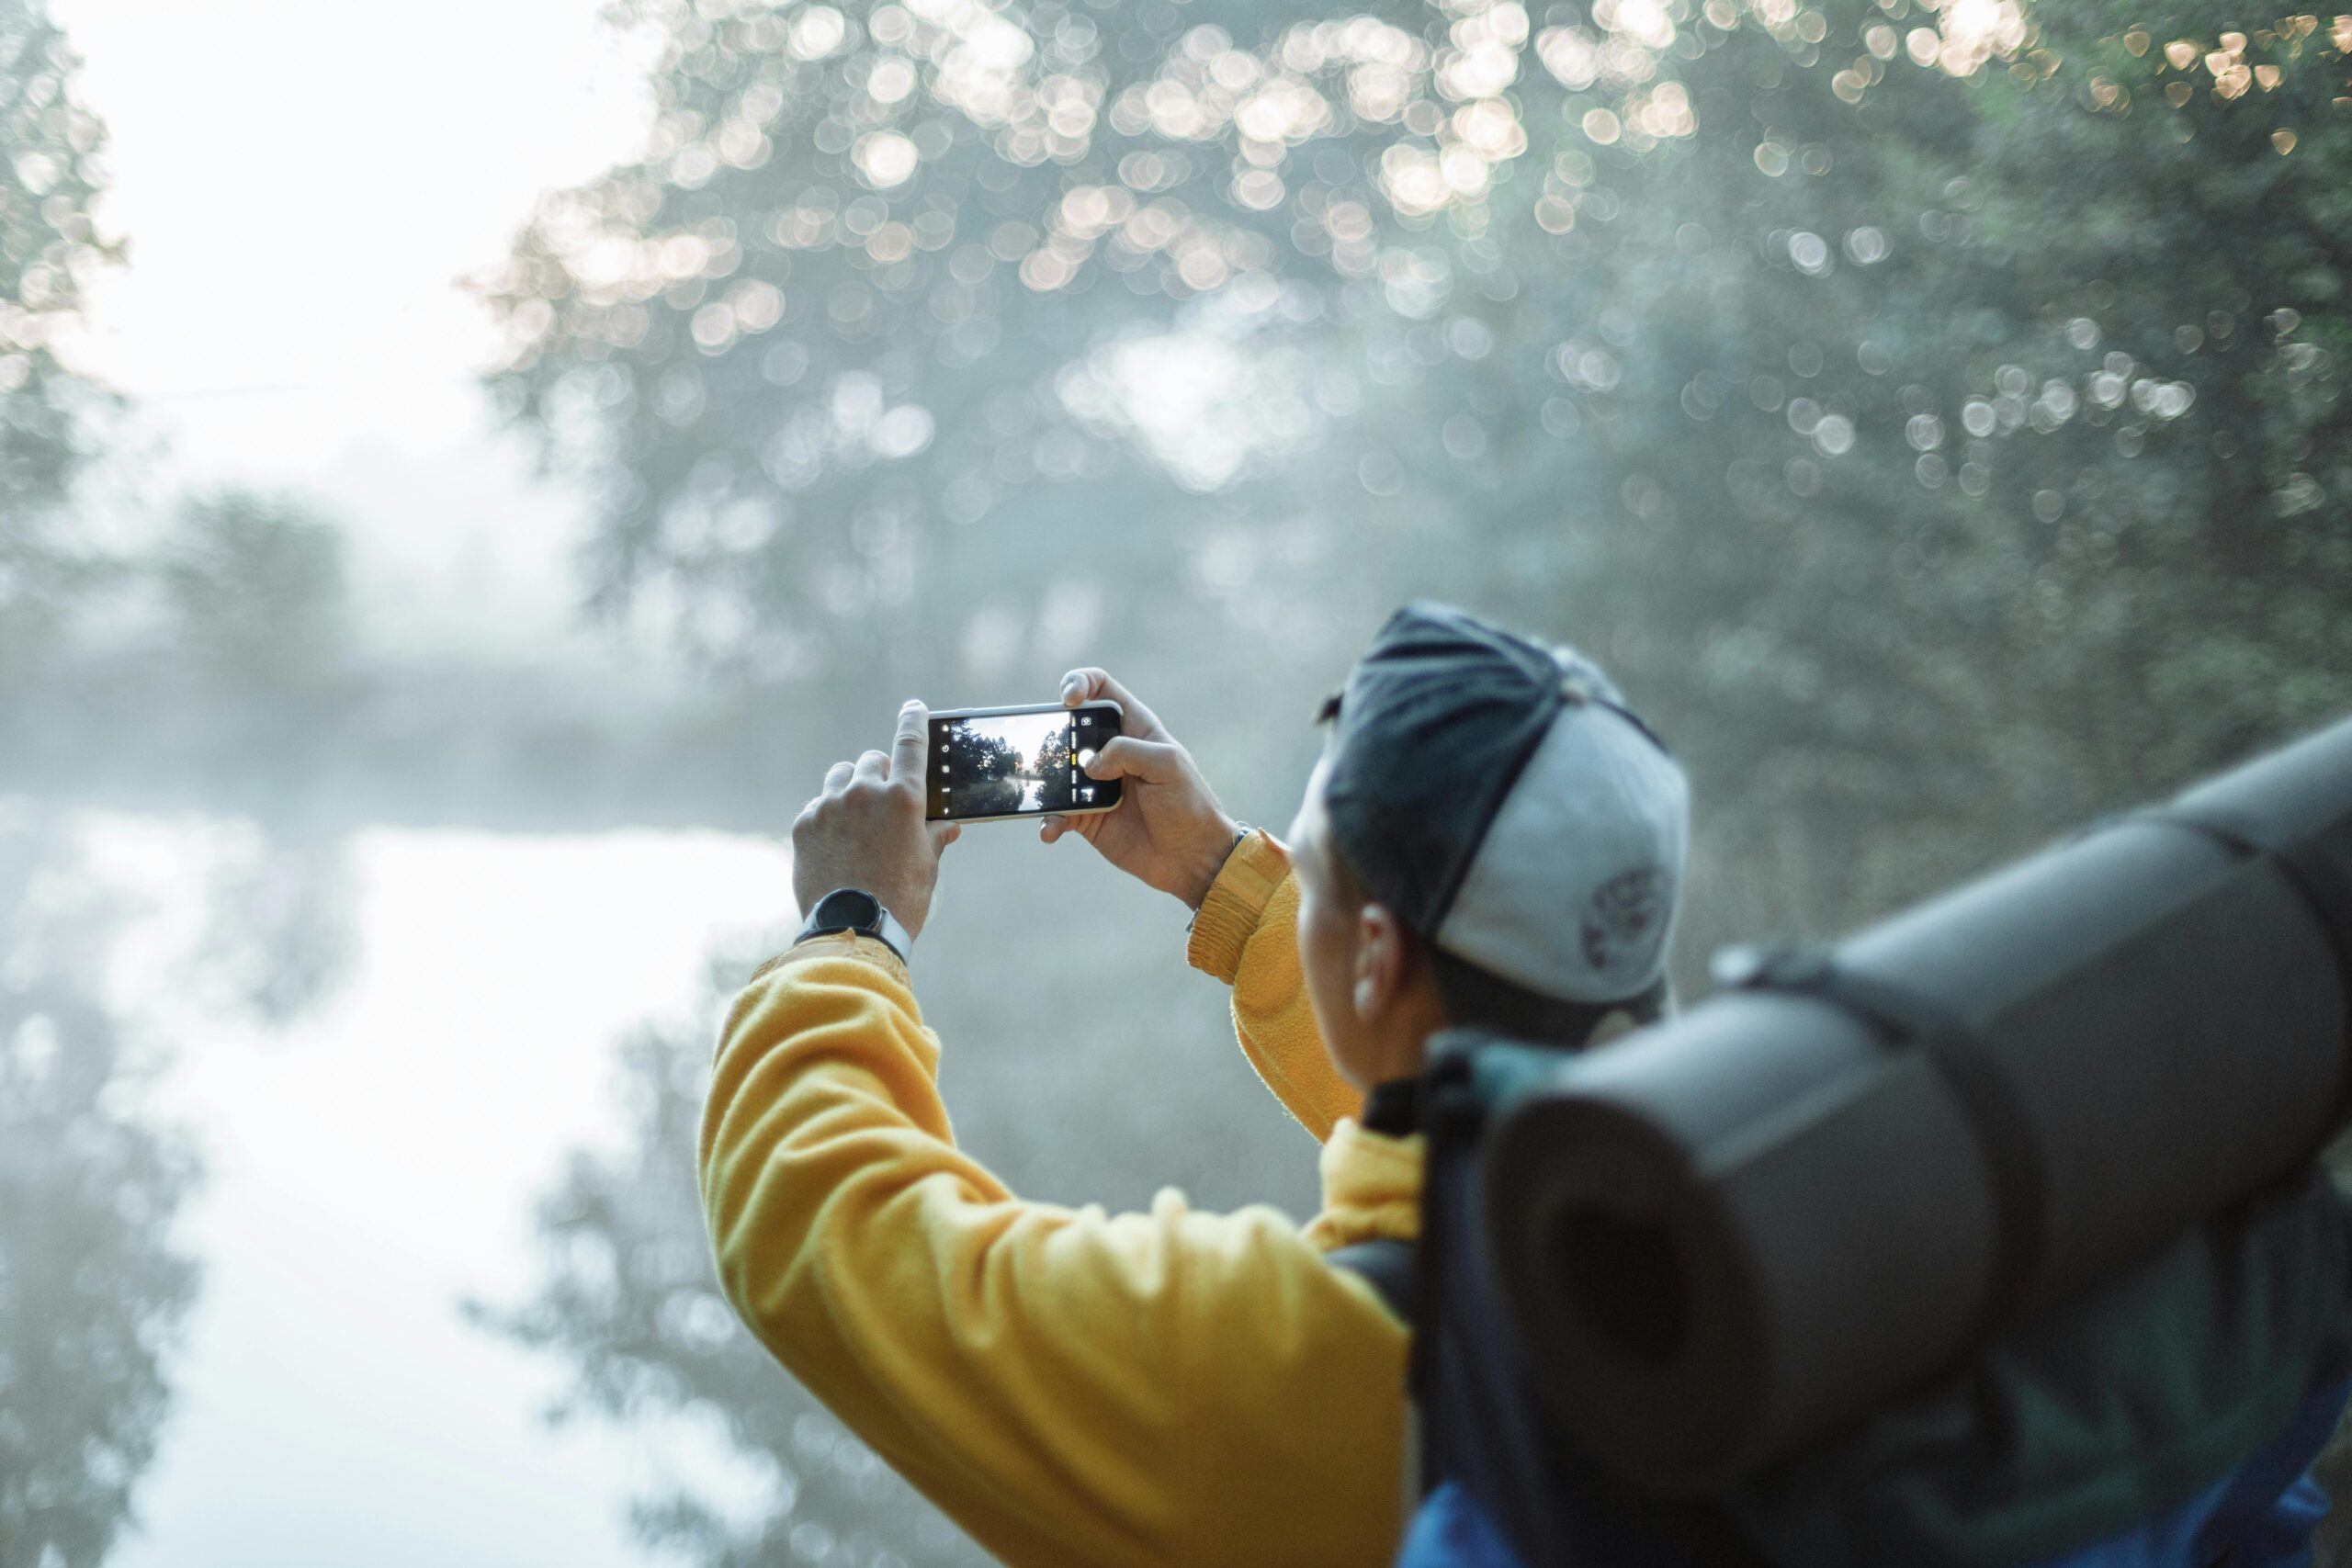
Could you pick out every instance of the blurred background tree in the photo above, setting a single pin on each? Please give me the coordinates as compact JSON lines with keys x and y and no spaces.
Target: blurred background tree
{"x":1935,"y":500}
{"x":52,"y":420}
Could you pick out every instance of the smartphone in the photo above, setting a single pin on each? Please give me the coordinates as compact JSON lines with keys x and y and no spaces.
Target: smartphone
{"x":987,"y":763}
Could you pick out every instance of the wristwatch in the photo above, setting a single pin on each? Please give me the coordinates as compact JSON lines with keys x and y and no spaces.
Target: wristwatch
{"x":855,"y":910}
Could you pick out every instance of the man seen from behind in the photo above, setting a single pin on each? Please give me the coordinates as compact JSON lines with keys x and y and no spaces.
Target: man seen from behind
{"x":1490,"y":838}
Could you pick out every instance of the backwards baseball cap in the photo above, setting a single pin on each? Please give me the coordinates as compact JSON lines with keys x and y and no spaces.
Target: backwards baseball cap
{"x":1502,"y":801}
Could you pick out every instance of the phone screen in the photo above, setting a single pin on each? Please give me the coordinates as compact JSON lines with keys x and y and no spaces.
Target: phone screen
{"x":1020,"y":762}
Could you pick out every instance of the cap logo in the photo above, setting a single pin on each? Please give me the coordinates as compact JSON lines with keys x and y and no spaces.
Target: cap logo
{"x":1622,"y":918}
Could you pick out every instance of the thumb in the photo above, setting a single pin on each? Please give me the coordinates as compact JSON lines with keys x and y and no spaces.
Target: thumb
{"x":1153,"y":762}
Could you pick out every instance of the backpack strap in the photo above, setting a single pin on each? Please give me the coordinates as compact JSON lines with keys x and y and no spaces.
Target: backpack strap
{"x":1903,"y":1018}
{"x":1391,"y":1267}
{"x":2323,"y":882}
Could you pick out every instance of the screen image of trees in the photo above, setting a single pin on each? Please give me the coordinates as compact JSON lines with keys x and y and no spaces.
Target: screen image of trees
{"x":1013,"y":763}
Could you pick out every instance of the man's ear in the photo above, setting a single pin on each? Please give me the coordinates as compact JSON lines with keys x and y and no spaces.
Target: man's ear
{"x":1382,"y":956}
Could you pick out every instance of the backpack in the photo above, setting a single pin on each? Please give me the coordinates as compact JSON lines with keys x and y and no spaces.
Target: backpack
{"x":2164,"y":1415}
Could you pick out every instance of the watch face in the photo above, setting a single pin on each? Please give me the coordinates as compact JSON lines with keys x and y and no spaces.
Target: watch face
{"x":849,"y":907}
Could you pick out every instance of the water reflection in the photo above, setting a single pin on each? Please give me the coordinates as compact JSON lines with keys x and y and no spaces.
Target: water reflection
{"x":381,"y":1050}
{"x":278,"y":938}
{"x":630,"y":1303}
{"x":93,"y":1290}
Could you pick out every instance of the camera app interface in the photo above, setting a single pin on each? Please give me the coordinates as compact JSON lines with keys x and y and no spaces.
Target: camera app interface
{"x":1019,"y":764}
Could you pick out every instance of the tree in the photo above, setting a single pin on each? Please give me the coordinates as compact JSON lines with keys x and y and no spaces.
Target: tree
{"x":1753,"y":344}
{"x":257,"y":617}
{"x":1052,"y":764}
{"x":986,"y":768}
{"x":50,"y":251}
{"x":1909,"y":487}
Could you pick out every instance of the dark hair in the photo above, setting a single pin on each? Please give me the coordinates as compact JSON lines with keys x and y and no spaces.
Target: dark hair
{"x":1479,"y":998}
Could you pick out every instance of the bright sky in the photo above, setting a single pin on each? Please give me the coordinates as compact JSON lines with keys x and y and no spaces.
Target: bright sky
{"x":303,"y":185}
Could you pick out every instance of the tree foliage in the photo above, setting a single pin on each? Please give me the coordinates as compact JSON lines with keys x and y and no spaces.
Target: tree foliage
{"x":1787,"y":355}
{"x":50,"y":250}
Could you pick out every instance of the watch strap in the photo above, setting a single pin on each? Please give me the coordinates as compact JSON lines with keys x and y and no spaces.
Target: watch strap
{"x":886,"y":928}
{"x":900,"y":939}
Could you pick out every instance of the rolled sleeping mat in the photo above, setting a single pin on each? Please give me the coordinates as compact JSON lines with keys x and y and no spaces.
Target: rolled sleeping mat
{"x":1720,"y":1238}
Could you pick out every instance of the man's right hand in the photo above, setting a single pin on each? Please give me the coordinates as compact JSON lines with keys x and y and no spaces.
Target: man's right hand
{"x":1168,"y":829}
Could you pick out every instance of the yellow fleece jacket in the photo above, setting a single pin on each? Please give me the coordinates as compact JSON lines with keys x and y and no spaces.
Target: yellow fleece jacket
{"x":1071,"y":1386}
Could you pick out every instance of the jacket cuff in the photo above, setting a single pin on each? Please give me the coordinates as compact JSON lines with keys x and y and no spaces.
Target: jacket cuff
{"x":1229,"y":915}
{"x":839,"y":944}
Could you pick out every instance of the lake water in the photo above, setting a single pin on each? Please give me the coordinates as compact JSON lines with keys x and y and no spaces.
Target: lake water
{"x":378,"y":1162}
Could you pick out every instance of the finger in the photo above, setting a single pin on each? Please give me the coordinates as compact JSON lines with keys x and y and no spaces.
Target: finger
{"x":1089,"y":684}
{"x":912,"y":746}
{"x":1153,"y":762}
{"x":1052,"y":829}
{"x":874,"y":765}
{"x":836,"y":776}
{"x":944,"y":834}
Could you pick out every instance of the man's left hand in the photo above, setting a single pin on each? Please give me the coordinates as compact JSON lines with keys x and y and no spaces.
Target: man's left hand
{"x":866,"y":829}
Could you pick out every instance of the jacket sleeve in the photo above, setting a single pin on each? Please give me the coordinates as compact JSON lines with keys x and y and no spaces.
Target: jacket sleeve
{"x":1071,"y":1386}
{"x":1247,"y":935}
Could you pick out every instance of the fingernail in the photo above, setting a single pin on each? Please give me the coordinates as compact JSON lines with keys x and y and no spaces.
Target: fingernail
{"x":911,"y":703}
